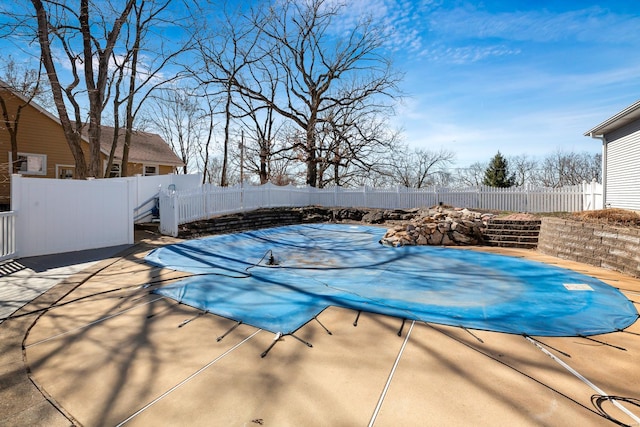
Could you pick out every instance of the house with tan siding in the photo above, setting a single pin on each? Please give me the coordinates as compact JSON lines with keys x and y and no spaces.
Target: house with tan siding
{"x":43,"y":151}
{"x":620,"y":136}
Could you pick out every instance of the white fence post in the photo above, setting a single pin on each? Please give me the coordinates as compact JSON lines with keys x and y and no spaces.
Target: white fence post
{"x":169,"y":212}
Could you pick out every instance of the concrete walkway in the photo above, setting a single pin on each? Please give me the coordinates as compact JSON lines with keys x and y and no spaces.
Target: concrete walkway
{"x":23,"y":280}
{"x":99,"y":349}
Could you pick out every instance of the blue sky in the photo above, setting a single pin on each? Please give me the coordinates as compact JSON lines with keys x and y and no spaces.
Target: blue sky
{"x":523,"y":77}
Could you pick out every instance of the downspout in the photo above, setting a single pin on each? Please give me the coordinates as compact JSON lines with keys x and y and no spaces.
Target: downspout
{"x":604,"y":166}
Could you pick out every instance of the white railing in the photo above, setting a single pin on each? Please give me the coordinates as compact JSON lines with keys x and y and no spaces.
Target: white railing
{"x":181,"y":207}
{"x":7,"y":235}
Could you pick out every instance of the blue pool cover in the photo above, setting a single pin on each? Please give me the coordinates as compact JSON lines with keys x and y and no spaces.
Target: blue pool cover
{"x":278,"y":279}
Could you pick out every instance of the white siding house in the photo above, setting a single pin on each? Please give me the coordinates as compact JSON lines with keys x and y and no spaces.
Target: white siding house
{"x":620,"y":136}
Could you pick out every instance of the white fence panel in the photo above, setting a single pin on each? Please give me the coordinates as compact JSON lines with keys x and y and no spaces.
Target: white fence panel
{"x":466,"y":197}
{"x":219,"y":200}
{"x":287,"y":196}
{"x":322,"y":197}
{"x":56,"y":216}
{"x":384,"y":198}
{"x":349,"y":197}
{"x":592,"y":196}
{"x":191,"y":205}
{"x":565,"y":199}
{"x":256,"y":197}
{"x":416,"y":198}
{"x":7,"y":235}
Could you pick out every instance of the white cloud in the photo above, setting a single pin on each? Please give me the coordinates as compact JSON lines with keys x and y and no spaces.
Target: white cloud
{"x":469,"y":33}
{"x":590,"y":24}
{"x":467,"y":54}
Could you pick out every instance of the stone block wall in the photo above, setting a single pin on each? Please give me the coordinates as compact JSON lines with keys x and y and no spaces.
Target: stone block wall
{"x":244,"y":221}
{"x":614,"y":248}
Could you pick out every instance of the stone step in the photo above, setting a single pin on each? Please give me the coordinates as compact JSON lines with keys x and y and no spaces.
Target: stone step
{"x":515,"y":221}
{"x":511,"y":244}
{"x":512,"y":233}
{"x":508,"y":232}
{"x":509,"y":226}
{"x":509,"y":238}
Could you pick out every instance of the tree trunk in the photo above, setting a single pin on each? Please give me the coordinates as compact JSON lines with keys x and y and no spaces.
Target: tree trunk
{"x":13,"y":132}
{"x":264,"y":175}
{"x":312,"y":164}
{"x":72,"y":136}
{"x":227,"y":124}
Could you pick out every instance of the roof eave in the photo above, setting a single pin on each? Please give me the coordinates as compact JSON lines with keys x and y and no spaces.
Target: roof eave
{"x":616,"y":121}
{"x":40,"y":109}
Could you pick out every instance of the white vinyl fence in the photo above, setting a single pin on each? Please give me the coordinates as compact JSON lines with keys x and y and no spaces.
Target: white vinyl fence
{"x":180,"y":207}
{"x":7,"y":235}
{"x":592,"y":196}
{"x":54,"y":216}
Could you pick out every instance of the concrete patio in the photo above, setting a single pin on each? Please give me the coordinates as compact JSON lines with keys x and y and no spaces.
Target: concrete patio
{"x":99,"y":350}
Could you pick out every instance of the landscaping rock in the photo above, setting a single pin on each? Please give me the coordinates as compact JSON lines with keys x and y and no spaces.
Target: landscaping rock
{"x":447,"y":227}
{"x":375,"y":217}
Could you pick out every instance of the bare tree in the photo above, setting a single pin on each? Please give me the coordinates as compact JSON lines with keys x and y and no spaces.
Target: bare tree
{"x":99,"y":28}
{"x":142,"y":58}
{"x":177,"y":115}
{"x":28,"y":81}
{"x":419,"y":168}
{"x":263,"y":130}
{"x":354,"y":141}
{"x":524,"y":168}
{"x":224,"y":54}
{"x":210,"y":165}
{"x":281,"y":165}
{"x":568,"y":168}
{"x":212,"y":170}
{"x":471,"y":176}
{"x":318,"y":70}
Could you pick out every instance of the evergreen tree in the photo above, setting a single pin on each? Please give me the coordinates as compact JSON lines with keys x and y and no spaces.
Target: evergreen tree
{"x":497,"y":173}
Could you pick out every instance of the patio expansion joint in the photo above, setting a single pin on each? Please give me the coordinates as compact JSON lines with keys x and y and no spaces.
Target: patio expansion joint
{"x":186,"y":380}
{"x":390,"y":378}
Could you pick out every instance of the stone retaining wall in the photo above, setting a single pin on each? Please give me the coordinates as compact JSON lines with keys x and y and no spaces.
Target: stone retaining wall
{"x":274,"y":217}
{"x":243,"y":221}
{"x":604,"y":246}
{"x":410,"y":227}
{"x":610,"y":247}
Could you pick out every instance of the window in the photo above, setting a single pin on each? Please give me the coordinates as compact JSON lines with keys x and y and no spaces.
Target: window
{"x":65,"y":171}
{"x":115,"y":172}
{"x":150,"y":170}
{"x":31,"y":164}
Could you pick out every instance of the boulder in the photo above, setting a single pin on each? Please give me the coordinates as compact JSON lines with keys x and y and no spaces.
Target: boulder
{"x":373,"y":217}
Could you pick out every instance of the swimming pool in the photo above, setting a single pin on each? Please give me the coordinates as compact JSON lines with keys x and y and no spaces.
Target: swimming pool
{"x":278,"y":279}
